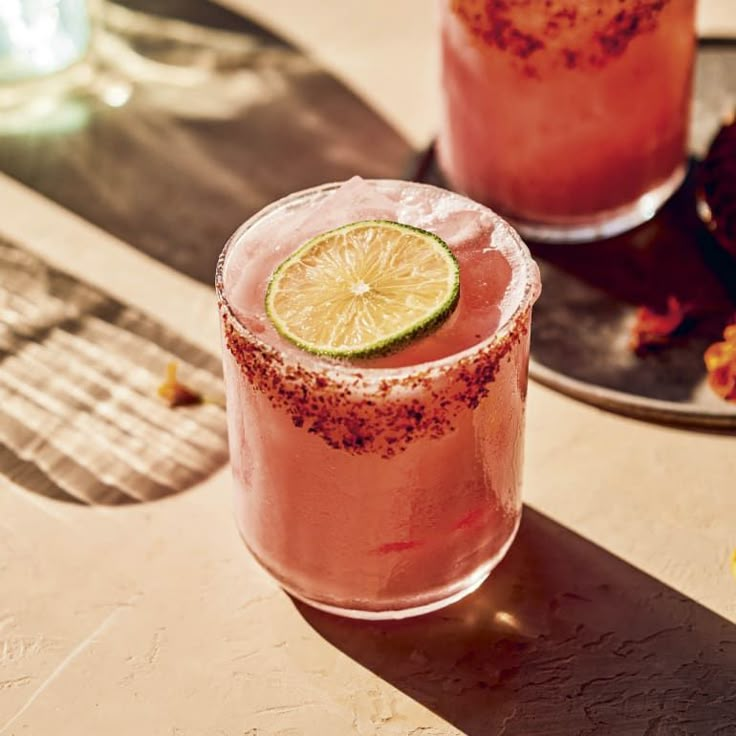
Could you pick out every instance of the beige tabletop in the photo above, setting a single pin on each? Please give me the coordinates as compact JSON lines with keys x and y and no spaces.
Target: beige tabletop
{"x":151,"y":618}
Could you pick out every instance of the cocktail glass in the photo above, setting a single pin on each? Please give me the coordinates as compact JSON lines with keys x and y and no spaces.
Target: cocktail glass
{"x":388,"y":487}
{"x":569,"y":118}
{"x":44,"y":47}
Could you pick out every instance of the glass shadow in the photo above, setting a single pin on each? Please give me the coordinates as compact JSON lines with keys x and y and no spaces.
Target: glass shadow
{"x":563,"y":638}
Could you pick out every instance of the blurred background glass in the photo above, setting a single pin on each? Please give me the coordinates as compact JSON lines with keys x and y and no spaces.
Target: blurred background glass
{"x":41,"y":41}
{"x":569,"y":119}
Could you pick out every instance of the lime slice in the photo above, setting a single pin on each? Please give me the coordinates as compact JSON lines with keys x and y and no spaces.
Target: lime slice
{"x":364,"y":289}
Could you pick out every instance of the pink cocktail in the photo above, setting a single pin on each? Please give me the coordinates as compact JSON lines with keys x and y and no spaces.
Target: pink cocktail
{"x":390,"y":486}
{"x":568,"y":117}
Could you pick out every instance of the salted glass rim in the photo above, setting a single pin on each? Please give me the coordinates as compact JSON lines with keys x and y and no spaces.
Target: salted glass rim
{"x":356,"y":374}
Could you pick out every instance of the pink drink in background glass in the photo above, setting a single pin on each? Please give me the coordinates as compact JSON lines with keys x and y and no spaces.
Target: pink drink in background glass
{"x":390,"y":486}
{"x":568,"y":117}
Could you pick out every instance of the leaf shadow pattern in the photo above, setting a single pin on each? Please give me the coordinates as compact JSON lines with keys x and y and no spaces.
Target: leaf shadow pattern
{"x":563,"y":638}
{"x":79,"y":417}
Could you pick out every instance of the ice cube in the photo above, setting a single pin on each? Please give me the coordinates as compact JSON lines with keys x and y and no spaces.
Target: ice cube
{"x":454,"y":219}
{"x":355,"y":200}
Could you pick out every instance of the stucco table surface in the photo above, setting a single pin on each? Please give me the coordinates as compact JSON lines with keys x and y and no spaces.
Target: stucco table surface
{"x":614,"y":612}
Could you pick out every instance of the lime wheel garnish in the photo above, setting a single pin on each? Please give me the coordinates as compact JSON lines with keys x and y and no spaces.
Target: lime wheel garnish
{"x":364,"y":289}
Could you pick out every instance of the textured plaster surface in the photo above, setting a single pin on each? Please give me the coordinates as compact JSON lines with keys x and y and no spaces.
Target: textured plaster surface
{"x":613,"y":613}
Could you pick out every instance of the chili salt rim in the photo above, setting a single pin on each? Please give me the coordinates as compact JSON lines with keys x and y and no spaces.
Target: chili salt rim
{"x":510,"y":330}
{"x":357,"y":409}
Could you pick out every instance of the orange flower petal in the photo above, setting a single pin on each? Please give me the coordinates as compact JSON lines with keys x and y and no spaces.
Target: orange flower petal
{"x":175,"y":393}
{"x":723,"y":383}
{"x":719,"y":354}
{"x":729,"y":334}
{"x":654,"y":329}
{"x":720,"y":362}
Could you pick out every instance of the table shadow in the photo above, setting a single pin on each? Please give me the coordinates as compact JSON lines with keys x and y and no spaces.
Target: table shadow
{"x":564,"y":638}
{"x":195,"y":119}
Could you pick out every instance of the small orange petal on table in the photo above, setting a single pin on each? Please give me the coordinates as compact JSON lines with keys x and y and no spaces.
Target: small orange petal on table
{"x":176,"y":393}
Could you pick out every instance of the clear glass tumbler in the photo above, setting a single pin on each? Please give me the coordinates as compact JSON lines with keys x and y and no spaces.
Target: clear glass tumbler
{"x":568,"y":117}
{"x":42,"y":44}
{"x":389,"y":487}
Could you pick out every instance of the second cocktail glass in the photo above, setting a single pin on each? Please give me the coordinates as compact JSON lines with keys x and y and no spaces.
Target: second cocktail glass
{"x":569,"y":118}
